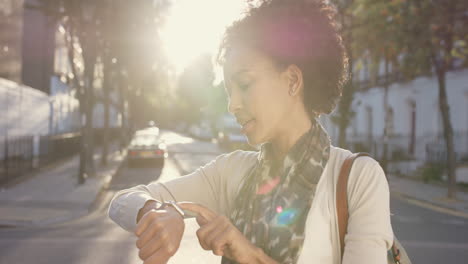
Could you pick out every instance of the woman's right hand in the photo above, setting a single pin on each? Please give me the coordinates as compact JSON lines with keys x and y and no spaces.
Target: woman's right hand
{"x":159,"y":234}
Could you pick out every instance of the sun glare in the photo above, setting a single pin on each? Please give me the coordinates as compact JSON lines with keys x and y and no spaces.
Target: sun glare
{"x":195,"y":27}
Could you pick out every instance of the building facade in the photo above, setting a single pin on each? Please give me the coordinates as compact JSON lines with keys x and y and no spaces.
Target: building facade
{"x":414,"y":123}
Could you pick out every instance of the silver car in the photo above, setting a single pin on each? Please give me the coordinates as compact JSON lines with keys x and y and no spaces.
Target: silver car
{"x":146,"y":147}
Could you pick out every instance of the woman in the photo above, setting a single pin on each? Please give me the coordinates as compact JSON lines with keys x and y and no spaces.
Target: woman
{"x":284,"y":65}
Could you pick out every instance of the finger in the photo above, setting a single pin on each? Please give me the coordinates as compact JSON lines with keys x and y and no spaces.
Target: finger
{"x":220,"y":243}
{"x":198,"y":209}
{"x":201,"y":237}
{"x":205,"y":233}
{"x":149,"y":233}
{"x":201,"y":220}
{"x":215,"y":227}
{"x":146,"y":220}
{"x":217,"y":239}
{"x":152,"y":246}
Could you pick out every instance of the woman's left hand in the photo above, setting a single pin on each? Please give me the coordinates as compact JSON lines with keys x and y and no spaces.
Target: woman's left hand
{"x":218,"y":234}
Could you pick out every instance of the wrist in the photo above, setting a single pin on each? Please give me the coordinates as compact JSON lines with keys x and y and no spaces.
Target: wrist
{"x":150,"y":204}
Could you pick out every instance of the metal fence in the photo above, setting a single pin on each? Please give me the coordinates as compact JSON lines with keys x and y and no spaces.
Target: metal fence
{"x":56,"y":147}
{"x":17,"y":157}
{"x":20,"y":155}
{"x":428,"y":148}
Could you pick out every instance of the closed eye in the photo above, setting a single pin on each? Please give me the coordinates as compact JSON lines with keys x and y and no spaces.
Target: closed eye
{"x":244,"y":87}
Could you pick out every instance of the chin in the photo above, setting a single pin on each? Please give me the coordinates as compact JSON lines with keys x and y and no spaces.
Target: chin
{"x":254,"y":141}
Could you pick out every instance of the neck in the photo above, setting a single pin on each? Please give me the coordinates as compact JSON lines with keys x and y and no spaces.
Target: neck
{"x":284,"y":142}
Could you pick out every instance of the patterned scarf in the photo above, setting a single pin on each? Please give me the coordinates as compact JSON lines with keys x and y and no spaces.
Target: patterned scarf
{"x":273,"y":203}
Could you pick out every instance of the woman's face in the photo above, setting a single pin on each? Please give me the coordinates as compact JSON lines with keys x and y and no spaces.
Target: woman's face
{"x":258,"y":94}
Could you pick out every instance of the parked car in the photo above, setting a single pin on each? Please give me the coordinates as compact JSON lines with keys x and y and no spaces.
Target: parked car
{"x":230,"y":136}
{"x":149,"y":130}
{"x":146,"y":147}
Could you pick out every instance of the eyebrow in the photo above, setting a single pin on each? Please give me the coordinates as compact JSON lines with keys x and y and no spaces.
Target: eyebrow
{"x":239,"y":72}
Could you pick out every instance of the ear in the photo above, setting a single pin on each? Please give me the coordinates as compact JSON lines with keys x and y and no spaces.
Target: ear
{"x":295,"y":80}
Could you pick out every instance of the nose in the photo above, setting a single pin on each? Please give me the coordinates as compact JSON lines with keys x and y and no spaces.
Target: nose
{"x":234,"y":102}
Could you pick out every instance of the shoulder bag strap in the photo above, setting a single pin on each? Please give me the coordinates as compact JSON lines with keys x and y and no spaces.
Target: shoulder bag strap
{"x":342,"y":196}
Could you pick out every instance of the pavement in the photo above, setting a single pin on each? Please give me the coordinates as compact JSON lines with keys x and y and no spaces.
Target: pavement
{"x":52,"y":194}
{"x":429,"y":195}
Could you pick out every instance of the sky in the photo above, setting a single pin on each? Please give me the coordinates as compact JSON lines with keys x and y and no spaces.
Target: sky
{"x":195,"y":27}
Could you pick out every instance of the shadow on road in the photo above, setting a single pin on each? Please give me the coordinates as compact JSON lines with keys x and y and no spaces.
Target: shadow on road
{"x":127,"y":177}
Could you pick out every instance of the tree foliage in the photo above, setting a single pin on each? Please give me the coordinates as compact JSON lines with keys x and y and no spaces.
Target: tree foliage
{"x":110,"y":43}
{"x":418,"y":38}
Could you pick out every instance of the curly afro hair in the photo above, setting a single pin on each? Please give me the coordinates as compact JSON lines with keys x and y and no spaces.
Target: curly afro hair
{"x":299,"y":32}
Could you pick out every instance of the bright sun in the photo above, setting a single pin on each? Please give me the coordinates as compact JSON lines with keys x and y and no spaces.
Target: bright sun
{"x":195,"y":27}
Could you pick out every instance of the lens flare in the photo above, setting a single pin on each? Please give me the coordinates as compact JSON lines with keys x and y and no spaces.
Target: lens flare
{"x":285,"y":217}
{"x":279,"y":209}
{"x":268,"y":186}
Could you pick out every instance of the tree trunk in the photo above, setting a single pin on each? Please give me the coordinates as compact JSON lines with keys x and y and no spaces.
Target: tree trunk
{"x":344,"y":114}
{"x":89,"y":64}
{"x":442,"y":64}
{"x":82,"y":102}
{"x":83,"y":149}
{"x":344,"y":107}
{"x":386,"y":118}
{"x":124,"y":123}
{"x":448,"y":134}
{"x":106,"y":99}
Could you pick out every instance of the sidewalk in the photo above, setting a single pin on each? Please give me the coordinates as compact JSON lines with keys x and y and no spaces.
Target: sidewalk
{"x":52,"y":195}
{"x":429,"y":194}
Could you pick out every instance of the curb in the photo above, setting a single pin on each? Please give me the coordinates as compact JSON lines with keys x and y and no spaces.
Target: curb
{"x":430,"y":205}
{"x":432,"y":182}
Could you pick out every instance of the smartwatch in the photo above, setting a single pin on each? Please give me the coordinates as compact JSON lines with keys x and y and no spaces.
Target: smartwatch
{"x":175,"y":206}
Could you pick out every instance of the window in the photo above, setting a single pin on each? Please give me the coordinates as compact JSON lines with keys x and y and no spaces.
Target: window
{"x":412,"y":126}
{"x":390,"y":122}
{"x":369,"y":121}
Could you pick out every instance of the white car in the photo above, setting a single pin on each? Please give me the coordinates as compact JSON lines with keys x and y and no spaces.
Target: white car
{"x":146,"y":147}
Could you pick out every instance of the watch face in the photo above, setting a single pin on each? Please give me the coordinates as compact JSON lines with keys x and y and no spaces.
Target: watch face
{"x":175,"y":206}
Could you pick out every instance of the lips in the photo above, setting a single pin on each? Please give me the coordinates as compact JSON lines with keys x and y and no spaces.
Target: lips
{"x":248,"y":126}
{"x":246,"y":122}
{"x":242,"y":120}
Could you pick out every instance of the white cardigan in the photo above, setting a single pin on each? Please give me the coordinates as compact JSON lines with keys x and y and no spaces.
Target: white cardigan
{"x":216,"y":185}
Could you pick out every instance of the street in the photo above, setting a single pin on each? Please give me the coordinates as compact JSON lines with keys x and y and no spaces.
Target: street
{"x":430,"y":237}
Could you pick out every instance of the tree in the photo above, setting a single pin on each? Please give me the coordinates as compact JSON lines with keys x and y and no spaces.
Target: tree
{"x":344,"y":113}
{"x":97,"y":39}
{"x":129,"y":51}
{"x":428,"y":36}
{"x":79,"y":20}
{"x":195,"y":88}
{"x":378,"y":39}
{"x":443,"y":29}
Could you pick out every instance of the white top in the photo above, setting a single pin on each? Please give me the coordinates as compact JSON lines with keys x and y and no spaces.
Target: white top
{"x":216,"y":185}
